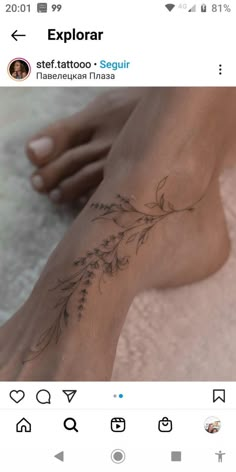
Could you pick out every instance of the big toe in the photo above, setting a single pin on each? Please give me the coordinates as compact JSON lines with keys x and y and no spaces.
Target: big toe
{"x":78,"y":160}
{"x":58,"y":138}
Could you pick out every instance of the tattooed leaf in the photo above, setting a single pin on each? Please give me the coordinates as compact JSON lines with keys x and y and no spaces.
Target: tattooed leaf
{"x":45,"y":336}
{"x":171,"y":206}
{"x":66,"y":316}
{"x":57,"y":331}
{"x":160,"y":186}
{"x":142,"y":238}
{"x":128,"y":206}
{"x":60,"y":302}
{"x":151,"y":205}
{"x":123,"y":261}
{"x":162,"y":183}
{"x":131,"y":238}
{"x":162,"y":202}
{"x":70,"y":286}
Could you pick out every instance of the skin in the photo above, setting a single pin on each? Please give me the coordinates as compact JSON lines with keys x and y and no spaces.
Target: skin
{"x":185,"y":247}
{"x":81,"y":143}
{"x":18,"y":70}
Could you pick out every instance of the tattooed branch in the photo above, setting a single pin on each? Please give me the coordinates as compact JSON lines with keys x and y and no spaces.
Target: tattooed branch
{"x":109,"y":258}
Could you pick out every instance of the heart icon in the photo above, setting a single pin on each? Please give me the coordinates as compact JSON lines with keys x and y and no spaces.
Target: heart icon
{"x":17,"y":395}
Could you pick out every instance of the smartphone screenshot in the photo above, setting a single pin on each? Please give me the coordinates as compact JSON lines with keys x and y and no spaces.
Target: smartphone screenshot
{"x":117,"y":236}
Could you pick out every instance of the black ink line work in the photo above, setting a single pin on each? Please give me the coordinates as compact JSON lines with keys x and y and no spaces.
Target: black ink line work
{"x":111,"y":256}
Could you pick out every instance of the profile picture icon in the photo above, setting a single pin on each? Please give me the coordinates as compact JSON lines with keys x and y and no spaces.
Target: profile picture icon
{"x":212,"y":425}
{"x":19,"y":69}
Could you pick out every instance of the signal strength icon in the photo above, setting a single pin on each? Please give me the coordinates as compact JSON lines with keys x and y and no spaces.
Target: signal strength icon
{"x":193,"y":9}
{"x":170,"y":6}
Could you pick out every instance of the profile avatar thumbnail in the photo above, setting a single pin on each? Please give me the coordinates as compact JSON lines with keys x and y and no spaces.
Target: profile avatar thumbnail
{"x":19,"y":69}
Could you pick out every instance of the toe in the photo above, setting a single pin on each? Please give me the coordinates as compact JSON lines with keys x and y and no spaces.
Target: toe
{"x":80,"y":183}
{"x":58,"y":138}
{"x":49,"y":177}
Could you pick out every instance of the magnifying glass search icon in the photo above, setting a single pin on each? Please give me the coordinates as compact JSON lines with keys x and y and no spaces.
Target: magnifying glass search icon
{"x":70,"y":424}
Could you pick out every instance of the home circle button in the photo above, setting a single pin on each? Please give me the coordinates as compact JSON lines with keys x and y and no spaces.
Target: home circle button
{"x":118,"y":456}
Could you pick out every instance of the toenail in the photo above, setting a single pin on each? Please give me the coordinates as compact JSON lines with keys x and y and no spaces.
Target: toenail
{"x":37,"y":182}
{"x":41,"y":147}
{"x":55,"y":195}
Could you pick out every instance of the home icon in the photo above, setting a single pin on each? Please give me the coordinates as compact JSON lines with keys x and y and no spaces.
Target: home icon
{"x":23,"y":426}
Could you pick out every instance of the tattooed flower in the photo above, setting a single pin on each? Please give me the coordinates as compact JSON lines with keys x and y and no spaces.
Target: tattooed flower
{"x":122,"y":262}
{"x":105,"y":243}
{"x":108,"y":268}
{"x":80,"y":261}
{"x":133,"y":227}
{"x":87,"y":282}
{"x":84,"y":291}
{"x":95,"y":265}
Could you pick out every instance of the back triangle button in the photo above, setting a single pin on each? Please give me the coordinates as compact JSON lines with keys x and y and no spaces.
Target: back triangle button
{"x":60,"y":456}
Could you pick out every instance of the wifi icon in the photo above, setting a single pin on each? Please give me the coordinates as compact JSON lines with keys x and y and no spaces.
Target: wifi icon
{"x":170,"y":6}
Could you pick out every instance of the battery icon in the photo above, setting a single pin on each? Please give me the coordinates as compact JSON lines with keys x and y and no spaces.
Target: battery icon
{"x":203,"y":8}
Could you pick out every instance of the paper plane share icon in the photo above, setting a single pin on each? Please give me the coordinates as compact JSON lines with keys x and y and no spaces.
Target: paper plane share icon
{"x":70,"y":394}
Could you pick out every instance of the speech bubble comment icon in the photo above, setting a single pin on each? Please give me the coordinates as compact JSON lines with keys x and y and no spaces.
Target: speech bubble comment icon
{"x":43,"y":397}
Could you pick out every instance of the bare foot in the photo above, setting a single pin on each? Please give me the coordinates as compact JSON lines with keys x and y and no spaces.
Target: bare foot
{"x":152,"y":222}
{"x":70,"y":154}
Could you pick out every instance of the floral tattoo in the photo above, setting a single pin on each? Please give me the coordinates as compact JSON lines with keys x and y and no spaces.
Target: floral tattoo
{"x":109,"y":257}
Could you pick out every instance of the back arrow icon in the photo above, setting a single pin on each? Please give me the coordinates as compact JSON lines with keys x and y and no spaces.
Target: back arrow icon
{"x":14,"y":35}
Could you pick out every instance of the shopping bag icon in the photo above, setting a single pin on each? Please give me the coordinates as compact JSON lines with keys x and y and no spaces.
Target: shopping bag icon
{"x":165,"y":425}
